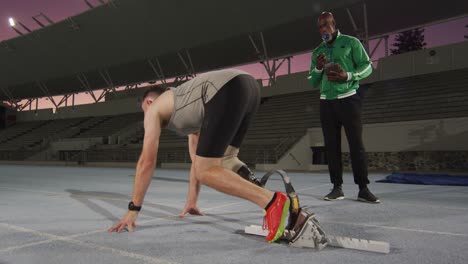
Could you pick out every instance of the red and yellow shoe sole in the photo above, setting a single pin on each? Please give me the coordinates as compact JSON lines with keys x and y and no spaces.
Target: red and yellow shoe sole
{"x":284,"y":214}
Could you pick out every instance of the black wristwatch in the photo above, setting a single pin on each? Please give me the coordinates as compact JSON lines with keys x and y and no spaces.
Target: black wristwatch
{"x":133,"y":207}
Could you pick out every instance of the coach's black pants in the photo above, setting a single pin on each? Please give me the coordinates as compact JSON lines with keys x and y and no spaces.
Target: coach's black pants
{"x":334,"y":114}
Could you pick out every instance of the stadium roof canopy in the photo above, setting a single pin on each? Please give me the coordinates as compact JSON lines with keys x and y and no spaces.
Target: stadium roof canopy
{"x":132,"y":41}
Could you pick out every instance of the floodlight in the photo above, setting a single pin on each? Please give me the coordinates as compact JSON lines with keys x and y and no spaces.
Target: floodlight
{"x":11,"y":21}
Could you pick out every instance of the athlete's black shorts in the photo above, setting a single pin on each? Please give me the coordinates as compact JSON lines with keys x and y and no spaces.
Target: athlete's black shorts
{"x":228,"y":115}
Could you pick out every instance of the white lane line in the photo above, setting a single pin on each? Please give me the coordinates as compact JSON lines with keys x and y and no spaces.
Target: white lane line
{"x":13,"y":248}
{"x":224,"y":205}
{"x":139,"y":224}
{"x":53,"y":238}
{"x":310,"y":188}
{"x":428,"y":205}
{"x":168,"y":217}
{"x":399,"y":228}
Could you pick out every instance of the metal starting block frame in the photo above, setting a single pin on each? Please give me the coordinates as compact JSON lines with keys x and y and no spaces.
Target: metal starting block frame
{"x":307,"y":233}
{"x":304,"y":231}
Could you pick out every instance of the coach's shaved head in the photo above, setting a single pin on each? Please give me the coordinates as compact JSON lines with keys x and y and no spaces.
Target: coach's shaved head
{"x":327,"y":26}
{"x":326,"y":16}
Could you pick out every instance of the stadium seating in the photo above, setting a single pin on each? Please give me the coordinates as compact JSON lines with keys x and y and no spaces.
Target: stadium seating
{"x":280,"y":122}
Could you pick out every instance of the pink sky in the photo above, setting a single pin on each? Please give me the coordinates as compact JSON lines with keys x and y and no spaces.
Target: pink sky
{"x":22,"y":10}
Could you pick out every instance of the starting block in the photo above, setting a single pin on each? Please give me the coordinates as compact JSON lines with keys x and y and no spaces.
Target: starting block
{"x":307,"y":233}
{"x":304,"y":231}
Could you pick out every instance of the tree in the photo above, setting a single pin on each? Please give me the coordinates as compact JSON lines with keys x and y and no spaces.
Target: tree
{"x":409,"y":40}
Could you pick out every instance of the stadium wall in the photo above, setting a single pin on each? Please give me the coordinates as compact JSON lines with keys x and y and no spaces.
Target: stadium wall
{"x":440,"y":144}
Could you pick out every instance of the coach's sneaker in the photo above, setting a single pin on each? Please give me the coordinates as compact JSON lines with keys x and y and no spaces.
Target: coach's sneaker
{"x":275,"y":216}
{"x":366,"y":196}
{"x":335,"y":194}
{"x":247,"y":174}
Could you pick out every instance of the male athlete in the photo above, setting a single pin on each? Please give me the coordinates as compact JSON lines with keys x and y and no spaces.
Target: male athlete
{"x":214,"y":109}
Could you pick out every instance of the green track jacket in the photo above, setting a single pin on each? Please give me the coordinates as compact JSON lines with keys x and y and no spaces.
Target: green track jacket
{"x":351,"y":55}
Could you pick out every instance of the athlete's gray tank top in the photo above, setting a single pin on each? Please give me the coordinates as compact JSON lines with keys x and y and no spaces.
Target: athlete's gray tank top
{"x":190,"y":99}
